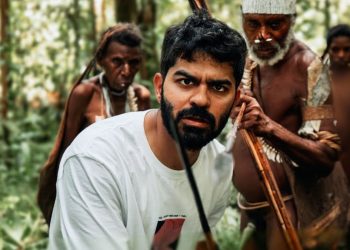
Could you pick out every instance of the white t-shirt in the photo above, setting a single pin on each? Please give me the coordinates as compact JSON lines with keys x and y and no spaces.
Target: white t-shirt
{"x":113,"y":193}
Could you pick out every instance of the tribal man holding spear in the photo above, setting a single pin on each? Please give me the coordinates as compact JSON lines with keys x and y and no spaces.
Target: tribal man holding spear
{"x":295,"y":129}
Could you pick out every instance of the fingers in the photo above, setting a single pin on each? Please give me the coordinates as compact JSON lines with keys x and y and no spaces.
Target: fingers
{"x":247,"y":92}
{"x":253,"y":116}
{"x":248,"y":117}
{"x":251,"y":103}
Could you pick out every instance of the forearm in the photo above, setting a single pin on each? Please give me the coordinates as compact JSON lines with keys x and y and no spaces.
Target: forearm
{"x":313,"y":154}
{"x":316,"y":155}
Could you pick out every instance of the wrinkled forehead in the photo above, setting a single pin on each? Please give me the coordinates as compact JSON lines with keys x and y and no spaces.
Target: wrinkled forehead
{"x":267,"y":17}
{"x":117,"y":48}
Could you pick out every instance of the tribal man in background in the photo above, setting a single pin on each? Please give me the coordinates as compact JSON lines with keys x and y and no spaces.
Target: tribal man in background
{"x":338,"y":50}
{"x":294,"y":127}
{"x":110,"y":93}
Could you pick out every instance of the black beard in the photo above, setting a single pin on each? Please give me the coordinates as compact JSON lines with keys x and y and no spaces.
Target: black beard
{"x":193,"y":138}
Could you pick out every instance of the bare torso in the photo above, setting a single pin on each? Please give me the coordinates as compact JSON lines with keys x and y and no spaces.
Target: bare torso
{"x":279,"y":90}
{"x":341,"y":100}
{"x":96,"y":107}
{"x":86,"y":105}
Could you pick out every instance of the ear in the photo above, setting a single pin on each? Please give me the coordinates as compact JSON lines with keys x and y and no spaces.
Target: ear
{"x":238,"y":94}
{"x":157,"y":84}
{"x":100,"y":64}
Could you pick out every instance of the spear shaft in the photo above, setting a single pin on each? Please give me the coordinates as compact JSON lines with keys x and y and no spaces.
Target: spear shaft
{"x":271,"y":189}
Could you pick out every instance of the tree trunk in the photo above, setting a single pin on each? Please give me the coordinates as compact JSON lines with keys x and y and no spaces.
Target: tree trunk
{"x":327,"y":15}
{"x":93,"y":30}
{"x":75,"y":22}
{"x":4,"y":57}
{"x":103,"y":16}
{"x":126,"y":10}
{"x":147,"y":23}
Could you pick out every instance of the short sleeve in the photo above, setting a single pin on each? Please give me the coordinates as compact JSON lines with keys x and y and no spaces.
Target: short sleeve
{"x":87,"y":212}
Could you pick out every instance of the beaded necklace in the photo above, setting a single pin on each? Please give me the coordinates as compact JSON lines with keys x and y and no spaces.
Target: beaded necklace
{"x":106,"y":92}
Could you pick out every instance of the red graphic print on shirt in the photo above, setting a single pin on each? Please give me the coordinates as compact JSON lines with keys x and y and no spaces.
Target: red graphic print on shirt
{"x":167,"y":233}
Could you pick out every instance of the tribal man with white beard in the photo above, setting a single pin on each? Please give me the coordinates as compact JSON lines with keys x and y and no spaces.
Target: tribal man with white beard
{"x":299,"y":140}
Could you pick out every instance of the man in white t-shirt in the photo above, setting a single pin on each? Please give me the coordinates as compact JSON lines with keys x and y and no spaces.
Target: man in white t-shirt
{"x":121,"y":184}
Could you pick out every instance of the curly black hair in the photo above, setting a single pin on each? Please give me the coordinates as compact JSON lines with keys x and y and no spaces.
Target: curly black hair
{"x":202,"y":33}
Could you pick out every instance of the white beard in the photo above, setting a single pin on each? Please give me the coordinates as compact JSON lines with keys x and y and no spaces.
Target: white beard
{"x":281,"y":52}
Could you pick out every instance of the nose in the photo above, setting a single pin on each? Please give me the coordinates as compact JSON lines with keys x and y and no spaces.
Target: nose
{"x":126,"y":69}
{"x":200,"y":97}
{"x":341,"y":53}
{"x":263,"y":33}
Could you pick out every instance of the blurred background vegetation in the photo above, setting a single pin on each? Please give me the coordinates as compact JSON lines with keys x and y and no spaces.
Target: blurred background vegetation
{"x":45,"y":45}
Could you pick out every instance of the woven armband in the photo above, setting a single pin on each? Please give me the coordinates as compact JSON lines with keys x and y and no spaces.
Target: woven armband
{"x":318,"y":113}
{"x":330,"y":139}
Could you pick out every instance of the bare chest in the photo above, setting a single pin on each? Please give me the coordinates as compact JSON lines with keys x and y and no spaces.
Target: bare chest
{"x":97,"y":107}
{"x":281,"y":96}
{"x":341,"y":101}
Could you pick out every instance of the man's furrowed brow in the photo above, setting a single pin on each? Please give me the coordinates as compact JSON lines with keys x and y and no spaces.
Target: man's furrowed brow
{"x":186,"y":74}
{"x":220,"y":82}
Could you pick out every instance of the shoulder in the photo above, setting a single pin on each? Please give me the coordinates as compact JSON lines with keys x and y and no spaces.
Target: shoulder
{"x":143,"y":96}
{"x":303,"y":56}
{"x":85,"y":89}
{"x":141,"y":92}
{"x":108,"y":135}
{"x":109,"y":142}
{"x":82,"y":93}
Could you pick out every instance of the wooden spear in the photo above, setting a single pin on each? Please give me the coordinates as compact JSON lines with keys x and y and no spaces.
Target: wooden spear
{"x":271,"y":189}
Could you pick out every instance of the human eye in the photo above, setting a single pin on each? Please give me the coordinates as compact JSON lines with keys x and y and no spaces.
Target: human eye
{"x":275,"y":25}
{"x":219,"y":87}
{"x":253,"y":24}
{"x":117,"y":61}
{"x":335,"y":50}
{"x":186,"y":81}
{"x":134,"y":62}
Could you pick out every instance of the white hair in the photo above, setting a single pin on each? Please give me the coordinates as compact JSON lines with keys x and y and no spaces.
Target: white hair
{"x":281,"y":51}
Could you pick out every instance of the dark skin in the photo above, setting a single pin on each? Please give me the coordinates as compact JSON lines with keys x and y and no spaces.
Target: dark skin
{"x":339,"y":55}
{"x":274,"y":112}
{"x":263,"y":27}
{"x":120,"y":64}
